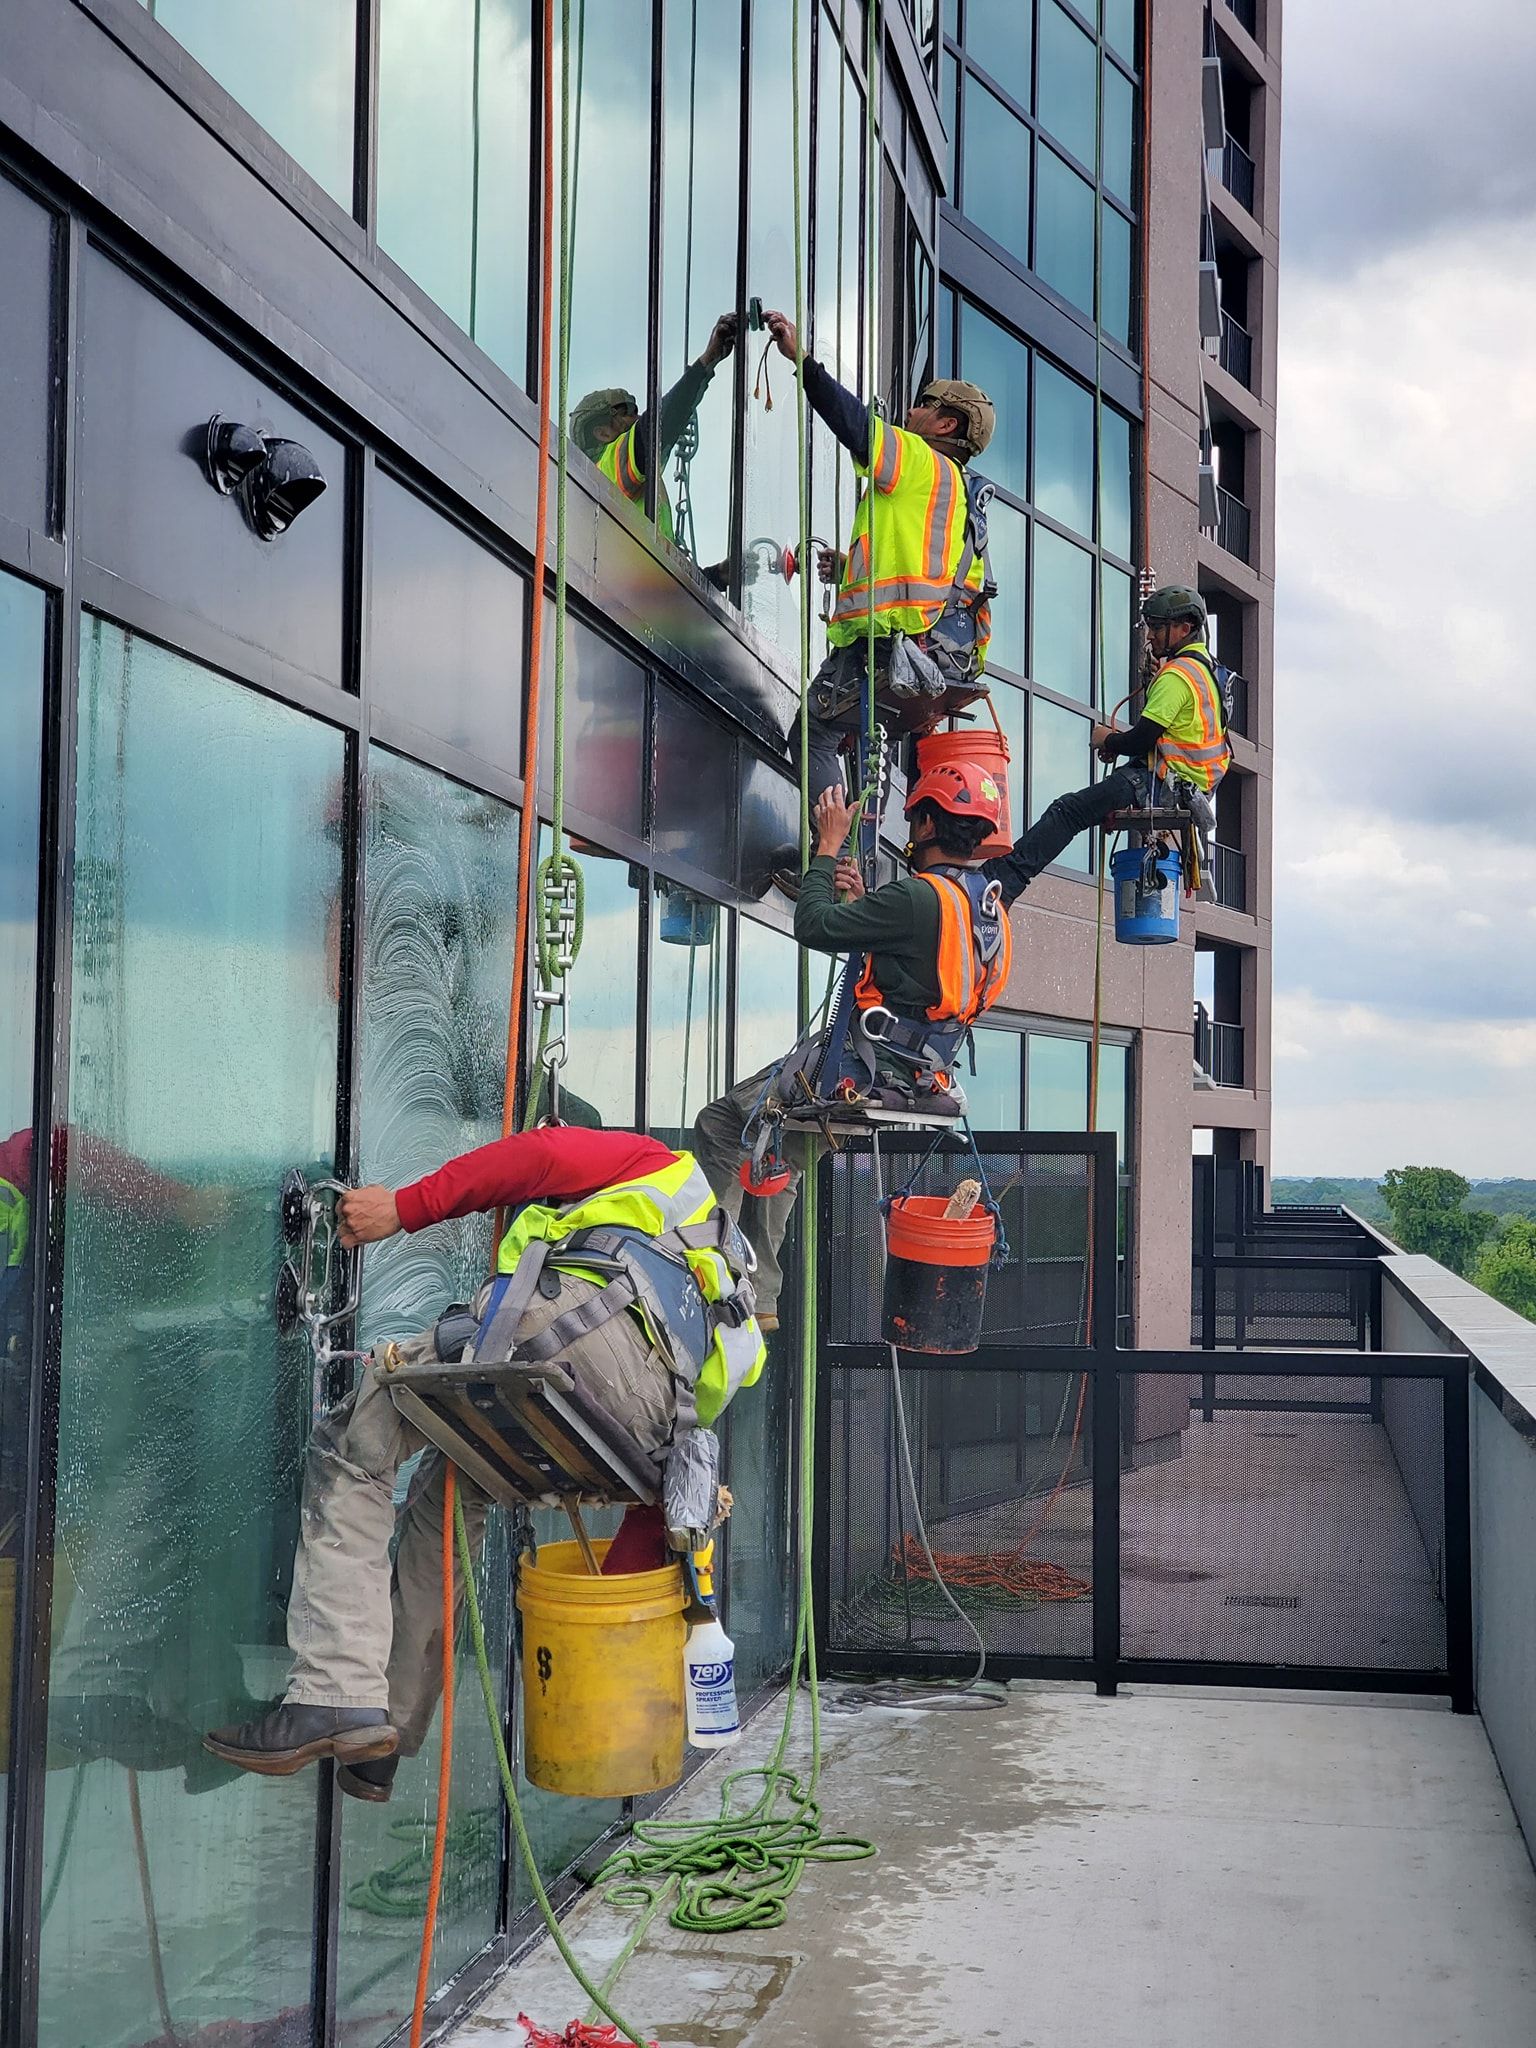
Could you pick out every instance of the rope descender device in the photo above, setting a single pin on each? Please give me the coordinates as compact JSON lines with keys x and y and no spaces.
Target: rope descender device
{"x":559,"y":911}
{"x":318,"y":1290}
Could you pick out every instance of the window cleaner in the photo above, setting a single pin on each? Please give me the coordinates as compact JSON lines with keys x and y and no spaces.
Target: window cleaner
{"x":709,"y":1662}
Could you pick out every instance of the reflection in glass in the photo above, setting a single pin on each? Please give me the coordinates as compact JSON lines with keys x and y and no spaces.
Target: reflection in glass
{"x":686,"y":1048}
{"x":949,"y":107}
{"x":993,"y":1090}
{"x":23,"y":617}
{"x":1007,"y":543}
{"x":1113,"y":1104}
{"x":1067,"y":109}
{"x":1059,"y":760}
{"x":1063,"y":448}
{"x":999,"y":362}
{"x":202,"y":1068}
{"x":700,"y":150}
{"x":1115,"y":279}
{"x":1115,"y":483}
{"x":695,"y":758}
{"x":290,"y":63}
{"x":1119,"y":132}
{"x":1115,"y":650}
{"x":442,"y":890}
{"x":997,"y":34}
{"x":1063,"y":616}
{"x":1120,"y":28}
{"x":836,"y":311}
{"x":1064,"y":230}
{"x":1012,"y":707}
{"x":994,"y":185}
{"x":455,"y":87}
{"x":1058,"y":1083}
{"x":605,"y":994}
{"x":604,"y":727}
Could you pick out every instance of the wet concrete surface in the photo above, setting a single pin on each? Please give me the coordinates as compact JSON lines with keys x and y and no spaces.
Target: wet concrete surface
{"x":1169,"y":1869}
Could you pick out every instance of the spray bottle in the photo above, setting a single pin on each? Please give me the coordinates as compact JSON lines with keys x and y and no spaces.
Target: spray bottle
{"x":709,"y":1662}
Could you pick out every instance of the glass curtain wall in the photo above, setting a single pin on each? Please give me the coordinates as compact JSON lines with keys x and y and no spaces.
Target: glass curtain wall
{"x":178,"y":1893}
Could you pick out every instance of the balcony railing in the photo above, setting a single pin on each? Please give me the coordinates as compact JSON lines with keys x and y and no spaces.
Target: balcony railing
{"x":1218,"y":1049}
{"x":1238,"y":173}
{"x":1233,"y":524}
{"x":1247,"y":12}
{"x":1238,"y":718}
{"x":1229,"y":873}
{"x":1237,"y":350}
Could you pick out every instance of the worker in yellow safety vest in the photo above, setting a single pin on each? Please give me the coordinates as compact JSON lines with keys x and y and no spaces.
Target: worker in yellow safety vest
{"x":660,"y":1339}
{"x":916,"y":566}
{"x":609,"y":427}
{"x":1174,"y":755}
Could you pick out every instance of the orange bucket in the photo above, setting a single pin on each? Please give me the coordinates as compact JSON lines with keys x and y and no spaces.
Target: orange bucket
{"x":936,"y":1274}
{"x":989,"y":750}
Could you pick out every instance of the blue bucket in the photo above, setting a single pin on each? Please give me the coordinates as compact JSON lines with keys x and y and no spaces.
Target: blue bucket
{"x":1146,"y":916}
{"x":688,"y":920}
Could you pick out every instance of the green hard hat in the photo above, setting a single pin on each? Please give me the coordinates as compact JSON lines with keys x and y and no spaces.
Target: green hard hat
{"x":1174,"y":601}
{"x":595,"y":407}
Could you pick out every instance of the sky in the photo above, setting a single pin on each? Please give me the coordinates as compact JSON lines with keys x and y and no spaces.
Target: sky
{"x":1405,"y":639}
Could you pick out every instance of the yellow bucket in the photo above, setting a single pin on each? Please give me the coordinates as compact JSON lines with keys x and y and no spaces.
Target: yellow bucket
{"x":603,"y":1708}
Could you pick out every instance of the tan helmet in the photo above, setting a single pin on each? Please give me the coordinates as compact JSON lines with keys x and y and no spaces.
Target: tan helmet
{"x":594,"y":407}
{"x":969,"y":401}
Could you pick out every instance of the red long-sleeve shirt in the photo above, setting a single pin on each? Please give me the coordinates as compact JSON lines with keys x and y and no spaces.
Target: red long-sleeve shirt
{"x":566,"y":1163}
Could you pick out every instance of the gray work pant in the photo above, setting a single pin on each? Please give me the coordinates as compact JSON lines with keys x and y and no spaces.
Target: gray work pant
{"x":764,"y":1219}
{"x":363,"y":1637}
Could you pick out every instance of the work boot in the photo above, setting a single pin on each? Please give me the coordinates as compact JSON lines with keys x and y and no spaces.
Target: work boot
{"x":290,"y":1737}
{"x":784,"y":870}
{"x":373,"y":1780}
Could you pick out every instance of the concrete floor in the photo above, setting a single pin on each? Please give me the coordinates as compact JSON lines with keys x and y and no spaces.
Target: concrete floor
{"x":1162,"y":1870}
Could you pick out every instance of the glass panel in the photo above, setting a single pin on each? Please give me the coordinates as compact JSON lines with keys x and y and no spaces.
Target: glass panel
{"x":993,"y":358}
{"x":686,"y":1050}
{"x":944,"y":356}
{"x":1007,"y":541}
{"x":994,"y":185}
{"x":770,"y":819}
{"x":1115,"y":654}
{"x":1012,"y":707}
{"x":993,"y":1090}
{"x":701,"y":151}
{"x":446,"y":650}
{"x":949,"y":108}
{"x":606,"y":766}
{"x":1113,"y":1103}
{"x":771,"y":483}
{"x":23,"y":618}
{"x":291,"y":63}
{"x":1119,"y":132}
{"x":610,"y":282}
{"x":1067,"y":109}
{"x":1063,"y":448}
{"x":1120,"y":28}
{"x":1115,"y":284}
{"x":442,"y":893}
{"x":1059,"y":761}
{"x":455,"y":89}
{"x":759,"y":1567}
{"x":1115,"y":483}
{"x":836,"y":310}
{"x":1058,"y":1083}
{"x":202,"y":1068}
{"x":26,"y":356}
{"x":1064,"y":231}
{"x":1063,"y":616}
{"x":997,"y":34}
{"x":598,"y":1086}
{"x":767,"y":995}
{"x":694,"y":756}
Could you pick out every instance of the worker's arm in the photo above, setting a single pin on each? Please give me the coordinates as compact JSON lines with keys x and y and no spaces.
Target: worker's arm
{"x":502,"y":1175}
{"x":679,"y":405}
{"x":881,"y":923}
{"x":847,"y":416}
{"x":1136,"y":744}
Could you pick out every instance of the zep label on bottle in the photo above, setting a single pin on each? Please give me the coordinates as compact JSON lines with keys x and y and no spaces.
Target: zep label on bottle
{"x":713,"y":1686}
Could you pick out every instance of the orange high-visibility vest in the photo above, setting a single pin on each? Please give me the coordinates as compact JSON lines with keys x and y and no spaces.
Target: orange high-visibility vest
{"x":975,"y":948}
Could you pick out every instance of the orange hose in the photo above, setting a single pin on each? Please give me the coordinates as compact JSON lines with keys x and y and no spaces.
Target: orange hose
{"x":444,"y":1773}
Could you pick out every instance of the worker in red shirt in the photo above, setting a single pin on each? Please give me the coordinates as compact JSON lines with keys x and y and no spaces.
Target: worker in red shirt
{"x":367,"y":1656}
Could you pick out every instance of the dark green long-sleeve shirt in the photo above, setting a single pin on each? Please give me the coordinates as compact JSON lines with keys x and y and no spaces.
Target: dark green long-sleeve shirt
{"x":898,"y":924}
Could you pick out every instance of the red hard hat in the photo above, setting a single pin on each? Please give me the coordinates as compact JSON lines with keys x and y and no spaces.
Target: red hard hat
{"x":963,"y":788}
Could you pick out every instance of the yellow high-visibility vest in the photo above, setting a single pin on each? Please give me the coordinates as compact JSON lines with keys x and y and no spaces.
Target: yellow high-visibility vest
{"x":655,"y":1203}
{"x":620,"y":463}
{"x":920,"y":514}
{"x":15,"y":1213}
{"x":1185,"y":702}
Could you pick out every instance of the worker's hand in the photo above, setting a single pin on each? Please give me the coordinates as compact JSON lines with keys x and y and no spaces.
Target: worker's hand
{"x":829,"y":564}
{"x":850,"y":882}
{"x":366,"y":1215}
{"x":782,"y":328}
{"x":1100,"y":735}
{"x":833,"y":817}
{"x":722,"y":339}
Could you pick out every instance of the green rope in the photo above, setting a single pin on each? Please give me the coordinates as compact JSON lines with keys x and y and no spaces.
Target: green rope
{"x":399,"y":1891}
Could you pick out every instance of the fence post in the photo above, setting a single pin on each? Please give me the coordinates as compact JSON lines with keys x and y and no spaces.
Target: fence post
{"x":1457,"y":1390}
{"x":1208,"y":1290}
{"x":1100,"y":1361}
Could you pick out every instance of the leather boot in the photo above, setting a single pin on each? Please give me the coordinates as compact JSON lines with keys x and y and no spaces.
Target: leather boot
{"x":290,"y":1737}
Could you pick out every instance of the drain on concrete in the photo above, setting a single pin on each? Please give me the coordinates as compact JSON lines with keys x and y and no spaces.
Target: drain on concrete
{"x":1263,"y":1600}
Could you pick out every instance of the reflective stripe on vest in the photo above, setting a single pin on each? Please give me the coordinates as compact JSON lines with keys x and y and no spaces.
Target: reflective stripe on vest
{"x":15,"y":1213}
{"x":1204,"y":761}
{"x":974,"y":956}
{"x":921,"y":515}
{"x":618,"y":464}
{"x":654,"y":1203}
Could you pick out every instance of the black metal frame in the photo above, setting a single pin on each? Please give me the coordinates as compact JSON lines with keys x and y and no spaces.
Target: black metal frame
{"x":1109,"y":1369}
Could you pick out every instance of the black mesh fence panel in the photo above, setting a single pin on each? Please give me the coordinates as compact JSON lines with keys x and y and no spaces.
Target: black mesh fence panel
{"x":1001,"y":1461}
{"x":1289,"y":1538}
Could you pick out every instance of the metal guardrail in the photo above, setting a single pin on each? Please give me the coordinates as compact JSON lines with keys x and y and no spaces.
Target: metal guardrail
{"x":1219,"y":1049}
{"x":1234,"y":524}
{"x":1239,"y":173}
{"x":1238,"y":685}
{"x":1237,"y":350}
{"x":1229,"y":873}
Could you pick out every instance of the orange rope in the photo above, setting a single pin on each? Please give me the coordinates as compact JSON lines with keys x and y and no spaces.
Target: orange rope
{"x":444,"y":1773}
{"x":962,"y":1571}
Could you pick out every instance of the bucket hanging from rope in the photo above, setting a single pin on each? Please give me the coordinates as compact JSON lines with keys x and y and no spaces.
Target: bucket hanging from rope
{"x":1146,"y":882}
{"x":936,"y":1274}
{"x":989,"y":751}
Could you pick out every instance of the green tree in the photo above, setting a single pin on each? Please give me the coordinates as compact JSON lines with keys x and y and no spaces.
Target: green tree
{"x":1425,"y":1207}
{"x":1506,"y":1269}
